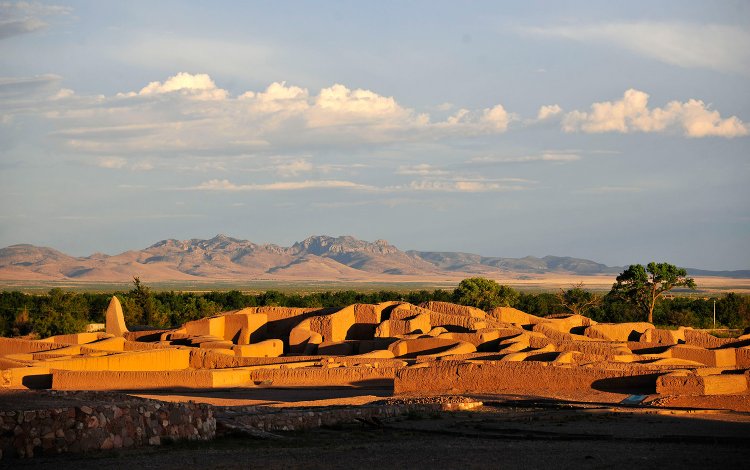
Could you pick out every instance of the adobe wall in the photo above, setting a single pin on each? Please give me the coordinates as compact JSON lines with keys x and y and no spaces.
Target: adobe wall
{"x":148,"y":380}
{"x":157,"y":359}
{"x":534,"y":378}
{"x":687,"y":383}
{"x":709,"y":357}
{"x":24,"y":346}
{"x":334,"y":326}
{"x":513,"y":316}
{"x":742,"y":357}
{"x":281,"y":320}
{"x":462,"y":322}
{"x":75,"y":338}
{"x":435,"y":347}
{"x":593,"y":347}
{"x":29,"y":433}
{"x":704,"y":340}
{"x":453,"y":309}
{"x":617,"y":331}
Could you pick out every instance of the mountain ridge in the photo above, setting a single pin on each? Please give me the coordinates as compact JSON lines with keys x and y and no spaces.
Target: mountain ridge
{"x":319,"y":257}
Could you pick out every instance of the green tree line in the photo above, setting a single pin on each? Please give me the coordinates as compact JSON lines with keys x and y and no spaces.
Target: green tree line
{"x":59,"y":312}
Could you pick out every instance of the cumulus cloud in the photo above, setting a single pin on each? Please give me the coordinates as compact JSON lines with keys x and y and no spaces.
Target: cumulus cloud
{"x":496,"y":118}
{"x":632,"y":114}
{"x":189,"y":114}
{"x":548,"y":111}
{"x":278,"y":97}
{"x":339,"y":105}
{"x":713,"y":46}
{"x":199,"y":86}
{"x":488,"y":120}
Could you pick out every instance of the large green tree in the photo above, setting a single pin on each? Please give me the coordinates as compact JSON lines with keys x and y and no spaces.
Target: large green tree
{"x":143,"y":302}
{"x":484,"y":293}
{"x":643,"y":287}
{"x":577,"y":300}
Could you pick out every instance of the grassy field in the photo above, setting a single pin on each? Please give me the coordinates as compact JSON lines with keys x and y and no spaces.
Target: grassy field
{"x":538,"y":283}
{"x":249,"y":287}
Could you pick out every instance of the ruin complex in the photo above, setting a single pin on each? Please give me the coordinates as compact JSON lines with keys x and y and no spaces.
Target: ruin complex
{"x":432,"y":349}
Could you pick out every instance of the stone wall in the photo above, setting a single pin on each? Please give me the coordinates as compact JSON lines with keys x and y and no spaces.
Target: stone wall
{"x":26,"y":433}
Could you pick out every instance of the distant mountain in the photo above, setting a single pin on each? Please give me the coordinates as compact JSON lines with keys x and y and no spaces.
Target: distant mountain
{"x":315,"y":258}
{"x":475,"y":263}
{"x":739,"y":274}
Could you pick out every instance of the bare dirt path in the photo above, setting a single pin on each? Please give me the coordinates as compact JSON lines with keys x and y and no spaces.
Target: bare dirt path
{"x":523,"y":435}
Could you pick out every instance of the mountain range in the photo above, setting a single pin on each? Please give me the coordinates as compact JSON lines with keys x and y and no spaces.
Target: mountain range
{"x":342,"y":258}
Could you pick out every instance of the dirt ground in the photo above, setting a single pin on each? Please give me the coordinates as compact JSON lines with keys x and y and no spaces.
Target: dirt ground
{"x":507,"y":433}
{"x":277,"y":397}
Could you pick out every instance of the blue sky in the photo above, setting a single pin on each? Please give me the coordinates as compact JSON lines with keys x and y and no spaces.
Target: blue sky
{"x":615,"y":133}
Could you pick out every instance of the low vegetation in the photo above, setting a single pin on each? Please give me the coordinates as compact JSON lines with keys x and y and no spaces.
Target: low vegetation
{"x":59,"y":312}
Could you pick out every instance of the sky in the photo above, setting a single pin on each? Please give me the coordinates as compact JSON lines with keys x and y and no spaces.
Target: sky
{"x":613,"y":132}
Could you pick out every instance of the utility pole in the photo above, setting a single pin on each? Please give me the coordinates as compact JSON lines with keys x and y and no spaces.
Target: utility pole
{"x":714,"y":314}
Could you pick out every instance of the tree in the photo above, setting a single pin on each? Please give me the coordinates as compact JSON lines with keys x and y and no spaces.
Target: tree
{"x":143,"y":301}
{"x":484,"y":293}
{"x":643,"y":287}
{"x":60,"y":313}
{"x":577,"y":300}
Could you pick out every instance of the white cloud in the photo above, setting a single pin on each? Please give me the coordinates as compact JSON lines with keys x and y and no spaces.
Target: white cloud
{"x":463,"y":186}
{"x":278,"y":97}
{"x":189,"y":114}
{"x":63,"y":93}
{"x":118,"y":163}
{"x":199,"y":86}
{"x":458,"y":184}
{"x":544,"y":157}
{"x":226,"y":185}
{"x":714,"y":46}
{"x":423,"y":169}
{"x":293,"y":167}
{"x":548,"y":111}
{"x":341,"y":106}
{"x":496,"y":118}
{"x":111,"y":162}
{"x":632,"y":114}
